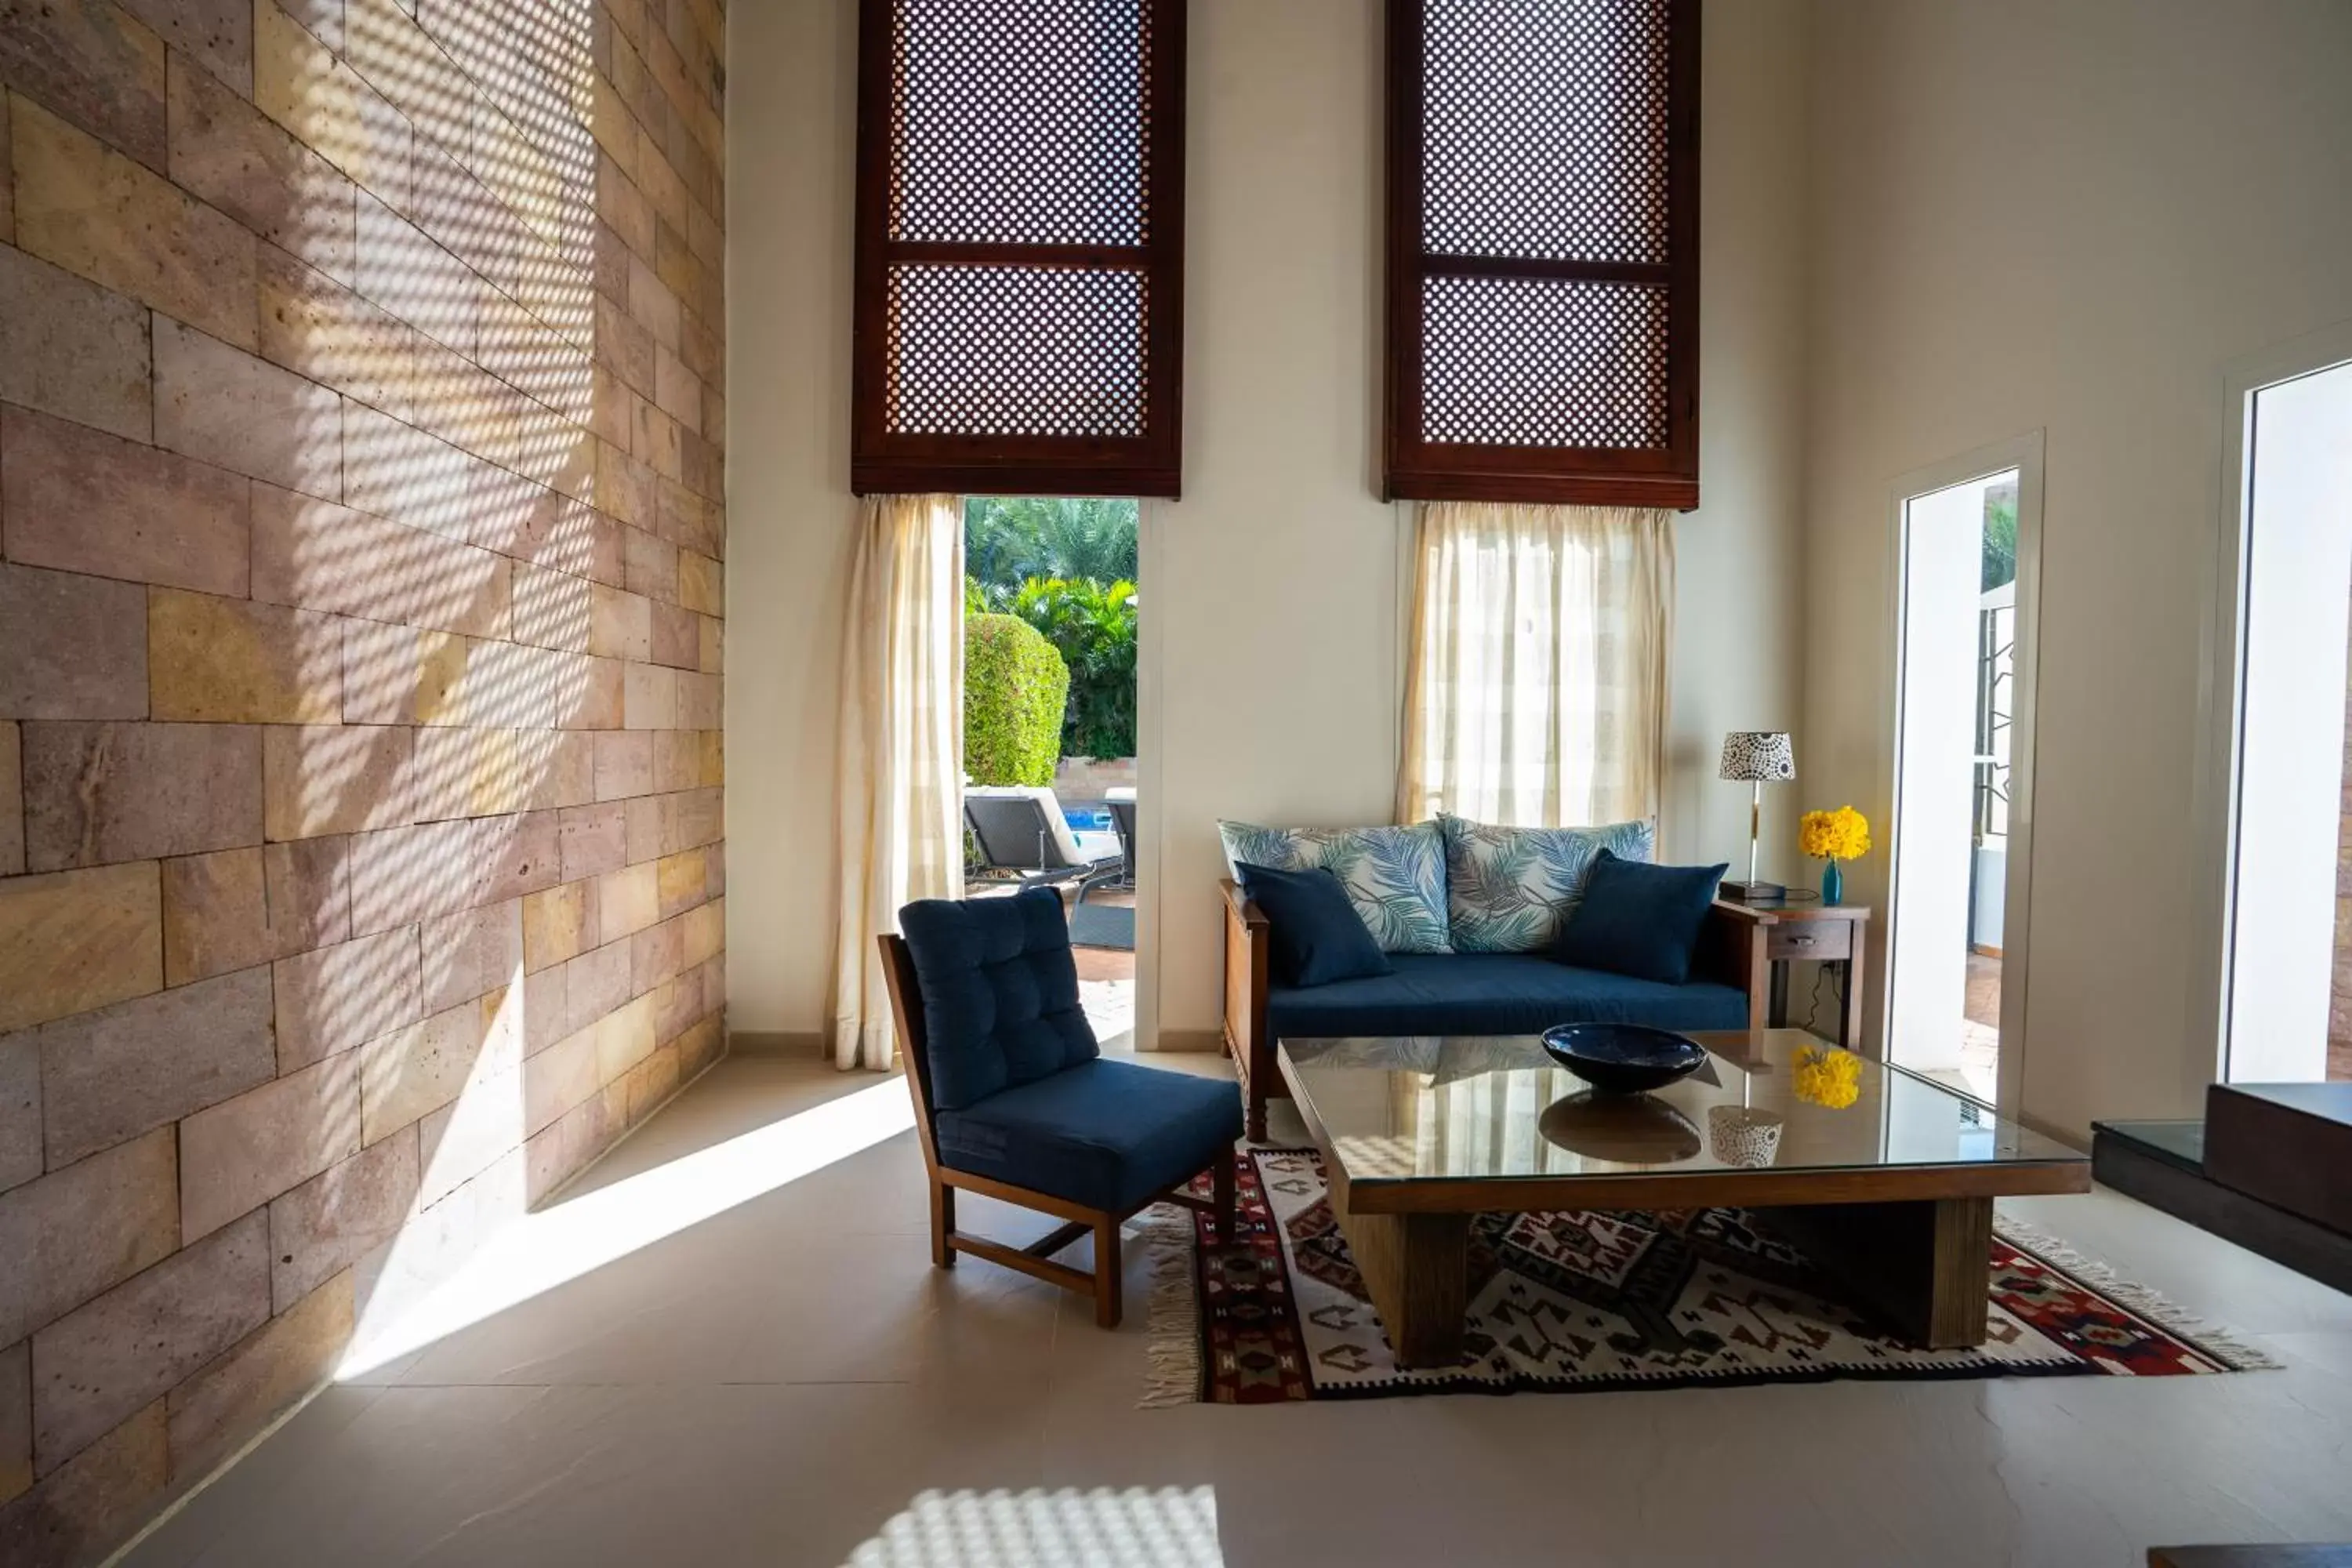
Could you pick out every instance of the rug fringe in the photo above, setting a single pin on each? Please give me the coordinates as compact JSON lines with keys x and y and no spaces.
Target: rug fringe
{"x":2222,"y":1343}
{"x":1173,"y":1331}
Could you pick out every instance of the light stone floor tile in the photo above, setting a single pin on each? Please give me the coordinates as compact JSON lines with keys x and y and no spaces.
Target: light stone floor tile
{"x":771,"y":1385}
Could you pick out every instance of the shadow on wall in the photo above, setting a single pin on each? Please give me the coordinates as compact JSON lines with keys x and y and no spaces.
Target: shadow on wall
{"x":502,"y":698}
{"x":465,"y":404}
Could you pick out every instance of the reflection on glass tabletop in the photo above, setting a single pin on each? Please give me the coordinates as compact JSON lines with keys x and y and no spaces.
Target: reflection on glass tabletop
{"x":1466,"y":1108}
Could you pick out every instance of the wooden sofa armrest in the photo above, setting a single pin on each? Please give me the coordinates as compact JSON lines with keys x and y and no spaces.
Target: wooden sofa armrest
{"x":1248,"y":972}
{"x":1731,"y":952}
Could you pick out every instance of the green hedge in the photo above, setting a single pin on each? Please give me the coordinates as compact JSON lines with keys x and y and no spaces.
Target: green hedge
{"x":1014,"y":688}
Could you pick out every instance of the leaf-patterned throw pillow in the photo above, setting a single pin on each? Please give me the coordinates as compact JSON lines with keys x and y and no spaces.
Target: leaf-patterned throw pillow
{"x":1395,"y":877}
{"x":1508,"y":888}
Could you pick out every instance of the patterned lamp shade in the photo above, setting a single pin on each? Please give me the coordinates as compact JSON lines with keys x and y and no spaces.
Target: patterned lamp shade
{"x":1767,"y":755}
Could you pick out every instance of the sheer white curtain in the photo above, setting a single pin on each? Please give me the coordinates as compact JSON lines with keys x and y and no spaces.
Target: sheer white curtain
{"x":1536,"y":677}
{"x":901,"y":781}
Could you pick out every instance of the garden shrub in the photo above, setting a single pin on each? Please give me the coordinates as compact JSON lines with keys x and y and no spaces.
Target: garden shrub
{"x":1092,"y":624}
{"x":1015,"y":688}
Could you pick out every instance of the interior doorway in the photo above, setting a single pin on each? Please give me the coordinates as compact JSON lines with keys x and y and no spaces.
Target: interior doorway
{"x":1961,"y":710}
{"x":2288,"y":1000}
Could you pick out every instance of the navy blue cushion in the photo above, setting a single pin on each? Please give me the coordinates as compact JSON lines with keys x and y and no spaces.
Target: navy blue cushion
{"x":1107,"y":1134}
{"x":1314,"y":933}
{"x":1639,"y":920}
{"x":1000,"y":992}
{"x":1496,"y":994}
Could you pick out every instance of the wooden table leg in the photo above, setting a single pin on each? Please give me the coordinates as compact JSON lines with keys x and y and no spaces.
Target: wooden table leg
{"x":1416,"y":1268}
{"x":1923,"y":1268}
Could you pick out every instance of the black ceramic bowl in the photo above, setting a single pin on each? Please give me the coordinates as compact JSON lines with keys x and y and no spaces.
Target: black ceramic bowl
{"x":1622,"y":1059}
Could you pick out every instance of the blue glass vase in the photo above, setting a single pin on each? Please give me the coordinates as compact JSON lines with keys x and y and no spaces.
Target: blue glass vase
{"x":1833,"y":884}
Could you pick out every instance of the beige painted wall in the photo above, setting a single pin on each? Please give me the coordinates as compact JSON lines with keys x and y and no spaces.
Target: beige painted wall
{"x":1271,"y":591}
{"x":2072,"y":217}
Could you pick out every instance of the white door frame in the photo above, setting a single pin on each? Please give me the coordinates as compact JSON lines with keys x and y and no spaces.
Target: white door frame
{"x":1151,"y":815}
{"x":2024,"y":454}
{"x":2213,"y":813}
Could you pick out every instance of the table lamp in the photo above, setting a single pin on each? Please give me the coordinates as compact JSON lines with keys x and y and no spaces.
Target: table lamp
{"x":1752,"y":757}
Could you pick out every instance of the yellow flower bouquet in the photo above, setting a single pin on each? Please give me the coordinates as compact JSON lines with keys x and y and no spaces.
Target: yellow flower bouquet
{"x":1827,"y":1078}
{"x":1834,"y":835}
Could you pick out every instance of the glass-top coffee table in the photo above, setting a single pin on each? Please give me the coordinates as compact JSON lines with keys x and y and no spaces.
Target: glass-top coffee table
{"x":1884,"y":1178}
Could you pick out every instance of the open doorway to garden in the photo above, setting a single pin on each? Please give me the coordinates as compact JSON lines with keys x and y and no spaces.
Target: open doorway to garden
{"x":1050,"y":610}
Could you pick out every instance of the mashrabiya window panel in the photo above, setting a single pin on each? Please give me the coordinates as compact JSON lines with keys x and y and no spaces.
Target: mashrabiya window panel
{"x":1020,"y":247}
{"x":1021,"y":121}
{"x":1544,"y":129}
{"x":1543,"y":281}
{"x":1012,"y":350}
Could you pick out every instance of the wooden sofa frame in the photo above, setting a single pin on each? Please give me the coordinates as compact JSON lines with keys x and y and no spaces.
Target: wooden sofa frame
{"x":1037,"y":1258}
{"x":1731,"y":952}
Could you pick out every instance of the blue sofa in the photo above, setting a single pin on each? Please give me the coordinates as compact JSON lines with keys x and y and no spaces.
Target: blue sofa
{"x":1473,"y":994}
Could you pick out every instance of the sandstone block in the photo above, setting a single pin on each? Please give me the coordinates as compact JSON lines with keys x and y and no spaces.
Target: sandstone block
{"x":240,"y":908}
{"x":101,"y":69}
{"x":111,"y":1075}
{"x":99,"y":1366}
{"x":625,"y":763}
{"x":341,"y":996}
{"x":237,"y":1155}
{"x":335,"y":778}
{"x":233,"y":661}
{"x":627,"y":901}
{"x":12,"y":797}
{"x":218,"y":403}
{"x":76,"y":649}
{"x":276,"y":1364}
{"x":78,"y":940}
{"x":70,"y":348}
{"x":20,"y":1109}
{"x":340,"y":1215}
{"x":472,"y":953}
{"x":97,"y":213}
{"x":92,"y":1501}
{"x":216,"y":33}
{"x":77,"y":1232}
{"x":98,"y":793}
{"x":78,"y":499}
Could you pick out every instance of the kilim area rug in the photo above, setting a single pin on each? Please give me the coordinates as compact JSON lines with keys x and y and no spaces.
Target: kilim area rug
{"x":1576,"y":1302}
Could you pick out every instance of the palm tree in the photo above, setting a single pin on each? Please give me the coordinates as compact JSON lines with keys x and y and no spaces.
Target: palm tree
{"x":1010,"y":539}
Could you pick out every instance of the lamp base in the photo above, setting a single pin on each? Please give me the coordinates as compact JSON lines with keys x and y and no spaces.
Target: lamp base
{"x":1753,"y":892}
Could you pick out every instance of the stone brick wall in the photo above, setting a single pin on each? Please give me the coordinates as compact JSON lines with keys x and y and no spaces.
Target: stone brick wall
{"x":360,"y":598}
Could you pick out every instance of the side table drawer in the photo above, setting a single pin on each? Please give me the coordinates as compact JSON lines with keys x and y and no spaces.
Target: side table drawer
{"x":1809,"y":939}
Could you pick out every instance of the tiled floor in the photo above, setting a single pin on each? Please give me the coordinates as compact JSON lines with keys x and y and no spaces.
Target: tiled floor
{"x":772,"y":1386}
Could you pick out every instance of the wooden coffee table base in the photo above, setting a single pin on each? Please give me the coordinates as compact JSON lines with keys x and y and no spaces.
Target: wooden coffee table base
{"x":1924,"y":1268}
{"x":1416,"y":1268}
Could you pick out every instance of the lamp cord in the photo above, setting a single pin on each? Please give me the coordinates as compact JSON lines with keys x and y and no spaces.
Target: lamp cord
{"x":1813,"y":1008}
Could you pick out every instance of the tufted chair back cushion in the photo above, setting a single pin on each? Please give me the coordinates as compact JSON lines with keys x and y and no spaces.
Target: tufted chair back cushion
{"x":1000,"y":994}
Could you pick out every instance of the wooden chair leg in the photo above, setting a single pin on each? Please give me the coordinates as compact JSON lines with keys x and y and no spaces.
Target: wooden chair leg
{"x":1220,"y":1184}
{"x":1107,"y":1272}
{"x":942,"y":1225}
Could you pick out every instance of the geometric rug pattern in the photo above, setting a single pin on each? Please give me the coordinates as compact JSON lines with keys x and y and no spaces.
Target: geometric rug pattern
{"x":1582,"y":1302}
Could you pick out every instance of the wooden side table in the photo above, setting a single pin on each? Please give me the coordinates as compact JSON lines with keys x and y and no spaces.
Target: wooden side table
{"x":1773,"y":934}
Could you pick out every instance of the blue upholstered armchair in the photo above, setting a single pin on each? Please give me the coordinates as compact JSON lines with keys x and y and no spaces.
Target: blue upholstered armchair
{"x":1013,"y":1099}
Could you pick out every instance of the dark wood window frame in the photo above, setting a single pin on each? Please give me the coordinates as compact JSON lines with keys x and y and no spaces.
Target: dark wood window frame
{"x":1664,"y":474}
{"x":1147,"y":464}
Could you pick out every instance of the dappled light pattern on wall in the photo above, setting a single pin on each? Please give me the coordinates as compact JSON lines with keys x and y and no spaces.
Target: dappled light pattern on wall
{"x":361,"y":872}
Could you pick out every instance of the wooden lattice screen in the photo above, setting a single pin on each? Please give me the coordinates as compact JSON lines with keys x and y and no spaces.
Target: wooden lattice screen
{"x":1543,"y":251}
{"x":1019,"y":325}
